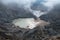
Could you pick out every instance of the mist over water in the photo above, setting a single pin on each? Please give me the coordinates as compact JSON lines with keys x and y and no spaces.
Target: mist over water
{"x":29,"y":23}
{"x":25,"y":23}
{"x":30,"y":20}
{"x":27,"y":4}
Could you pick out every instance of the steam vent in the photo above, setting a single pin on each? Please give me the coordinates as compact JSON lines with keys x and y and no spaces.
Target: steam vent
{"x":29,"y":19}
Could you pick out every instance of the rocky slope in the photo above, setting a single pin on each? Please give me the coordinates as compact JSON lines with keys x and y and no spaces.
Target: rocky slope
{"x":53,"y":17}
{"x":11,"y":32}
{"x":8,"y":14}
{"x":8,"y":31}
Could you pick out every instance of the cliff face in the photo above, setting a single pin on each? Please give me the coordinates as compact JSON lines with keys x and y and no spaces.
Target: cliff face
{"x":8,"y":31}
{"x":8,"y":14}
{"x":53,"y":17}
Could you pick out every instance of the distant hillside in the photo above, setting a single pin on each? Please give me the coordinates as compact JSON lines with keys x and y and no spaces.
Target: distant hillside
{"x":7,"y":14}
{"x":53,"y":17}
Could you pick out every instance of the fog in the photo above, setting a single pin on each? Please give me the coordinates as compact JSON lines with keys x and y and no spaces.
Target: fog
{"x":26,"y":4}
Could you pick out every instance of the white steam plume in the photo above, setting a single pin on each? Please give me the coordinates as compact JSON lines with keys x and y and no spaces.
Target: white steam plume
{"x":28,"y":3}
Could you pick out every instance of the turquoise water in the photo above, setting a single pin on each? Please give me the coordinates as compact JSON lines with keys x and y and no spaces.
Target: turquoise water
{"x":23,"y":22}
{"x":29,"y":23}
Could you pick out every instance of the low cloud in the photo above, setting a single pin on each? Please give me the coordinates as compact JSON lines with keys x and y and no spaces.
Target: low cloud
{"x":28,"y":3}
{"x":51,"y":3}
{"x":25,"y":3}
